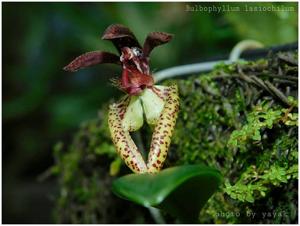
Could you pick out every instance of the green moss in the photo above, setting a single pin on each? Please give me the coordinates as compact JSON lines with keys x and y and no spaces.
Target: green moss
{"x":86,"y":169}
{"x":241,"y":119}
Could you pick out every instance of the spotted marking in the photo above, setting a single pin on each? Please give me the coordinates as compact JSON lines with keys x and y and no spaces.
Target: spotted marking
{"x":122,"y":139}
{"x":163,"y":130}
{"x":161,"y":137}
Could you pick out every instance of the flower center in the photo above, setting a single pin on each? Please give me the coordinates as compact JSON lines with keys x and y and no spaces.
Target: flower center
{"x":136,"y":74}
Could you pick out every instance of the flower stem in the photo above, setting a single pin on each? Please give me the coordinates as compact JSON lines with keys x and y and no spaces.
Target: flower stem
{"x":139,"y":143}
{"x":156,"y":215}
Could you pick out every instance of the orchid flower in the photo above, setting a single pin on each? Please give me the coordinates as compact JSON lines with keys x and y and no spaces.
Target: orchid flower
{"x":144,"y":101}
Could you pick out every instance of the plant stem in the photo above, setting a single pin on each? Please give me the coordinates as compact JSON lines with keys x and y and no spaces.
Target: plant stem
{"x":139,"y":143}
{"x":206,"y":66}
{"x":156,"y":215}
{"x":241,"y":46}
{"x":186,"y":69}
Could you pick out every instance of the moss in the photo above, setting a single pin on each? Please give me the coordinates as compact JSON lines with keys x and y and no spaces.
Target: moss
{"x":240,"y":118}
{"x":84,"y":170}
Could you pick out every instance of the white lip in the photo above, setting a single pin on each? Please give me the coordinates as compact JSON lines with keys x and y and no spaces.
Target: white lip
{"x":138,"y":66}
{"x":131,"y":55}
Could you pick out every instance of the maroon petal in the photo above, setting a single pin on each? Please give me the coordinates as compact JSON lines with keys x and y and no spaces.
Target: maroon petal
{"x":90,"y":59}
{"x":121,"y":36}
{"x":155,"y":39}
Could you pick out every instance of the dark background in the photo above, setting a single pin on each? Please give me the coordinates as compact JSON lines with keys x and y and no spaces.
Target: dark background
{"x":42,"y":104}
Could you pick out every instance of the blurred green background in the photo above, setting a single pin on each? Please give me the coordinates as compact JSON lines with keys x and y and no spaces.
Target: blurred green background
{"x":42,"y":104}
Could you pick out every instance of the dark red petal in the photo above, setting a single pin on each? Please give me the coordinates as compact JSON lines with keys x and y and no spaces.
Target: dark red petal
{"x":90,"y":59}
{"x":121,"y":36}
{"x":155,"y":39}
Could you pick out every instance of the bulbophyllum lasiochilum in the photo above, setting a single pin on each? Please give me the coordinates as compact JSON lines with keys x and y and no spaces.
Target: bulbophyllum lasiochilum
{"x":144,"y":101}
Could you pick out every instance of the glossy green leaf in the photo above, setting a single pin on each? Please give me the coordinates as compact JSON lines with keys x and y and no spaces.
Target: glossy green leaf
{"x":181,"y":191}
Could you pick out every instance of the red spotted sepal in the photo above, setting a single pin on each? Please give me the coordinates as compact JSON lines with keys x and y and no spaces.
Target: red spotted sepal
{"x":163,"y":130}
{"x":160,"y":106}
{"x":121,"y":138}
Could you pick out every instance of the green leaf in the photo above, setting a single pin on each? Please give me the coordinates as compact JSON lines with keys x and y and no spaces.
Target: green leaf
{"x":249,"y":198}
{"x":257,"y":135}
{"x":181,"y":191}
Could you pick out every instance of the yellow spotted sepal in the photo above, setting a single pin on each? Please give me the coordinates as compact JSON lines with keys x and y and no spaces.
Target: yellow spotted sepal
{"x":159,"y":105}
